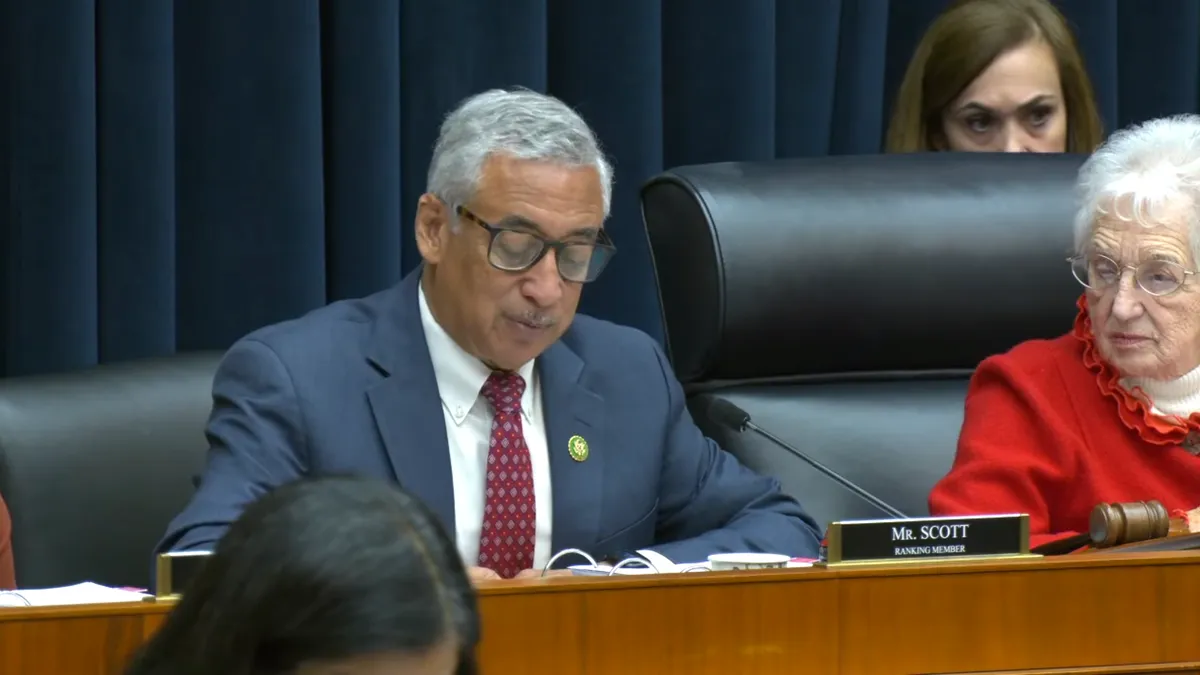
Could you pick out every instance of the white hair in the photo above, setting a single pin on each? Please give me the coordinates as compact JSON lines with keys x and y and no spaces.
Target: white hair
{"x":1146,"y":170}
{"x":522,"y":124}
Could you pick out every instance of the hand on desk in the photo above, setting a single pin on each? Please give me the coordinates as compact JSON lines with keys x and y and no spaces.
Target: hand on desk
{"x":477,"y":574}
{"x":533,"y":574}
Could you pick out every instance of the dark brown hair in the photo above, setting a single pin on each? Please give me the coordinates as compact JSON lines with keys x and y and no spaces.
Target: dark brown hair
{"x":961,"y":43}
{"x":318,"y":570}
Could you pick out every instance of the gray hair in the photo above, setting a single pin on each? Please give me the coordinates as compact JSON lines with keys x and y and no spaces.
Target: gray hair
{"x":522,"y":124}
{"x":1152,"y":165}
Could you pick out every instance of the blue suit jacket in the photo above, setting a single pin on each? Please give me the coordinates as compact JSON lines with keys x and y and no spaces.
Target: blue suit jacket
{"x":350,"y":388}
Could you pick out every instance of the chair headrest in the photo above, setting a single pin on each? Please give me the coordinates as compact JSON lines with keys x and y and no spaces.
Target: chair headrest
{"x":95,"y":463}
{"x":848,"y":264}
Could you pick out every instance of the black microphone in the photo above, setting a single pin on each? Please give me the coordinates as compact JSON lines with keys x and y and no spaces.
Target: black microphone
{"x":730,"y":415}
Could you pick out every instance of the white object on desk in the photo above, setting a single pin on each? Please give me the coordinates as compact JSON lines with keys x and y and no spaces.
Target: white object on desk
{"x":604,"y":570}
{"x":721,"y":562}
{"x":86,"y":593}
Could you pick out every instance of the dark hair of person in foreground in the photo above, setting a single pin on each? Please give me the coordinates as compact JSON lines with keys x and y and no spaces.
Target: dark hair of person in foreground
{"x":323,"y":577}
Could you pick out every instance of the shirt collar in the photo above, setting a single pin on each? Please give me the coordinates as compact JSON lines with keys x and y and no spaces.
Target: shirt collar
{"x":460,"y":376}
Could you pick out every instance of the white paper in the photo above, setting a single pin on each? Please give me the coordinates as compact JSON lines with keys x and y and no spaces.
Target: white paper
{"x":86,"y":593}
{"x":660,"y":568}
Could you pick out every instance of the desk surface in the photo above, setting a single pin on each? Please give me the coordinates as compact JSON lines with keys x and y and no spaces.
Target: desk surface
{"x":1131,"y":613}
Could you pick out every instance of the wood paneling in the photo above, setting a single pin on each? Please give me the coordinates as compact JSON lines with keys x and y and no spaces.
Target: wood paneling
{"x":95,"y":640}
{"x":1131,"y":613}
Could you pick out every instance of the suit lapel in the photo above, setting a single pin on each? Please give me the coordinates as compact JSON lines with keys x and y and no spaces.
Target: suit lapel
{"x":408,"y":415}
{"x":572,"y":410}
{"x":405,"y":403}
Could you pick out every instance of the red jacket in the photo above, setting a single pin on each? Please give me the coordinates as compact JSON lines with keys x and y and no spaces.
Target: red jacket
{"x":1047,"y":431}
{"x":7,"y":576}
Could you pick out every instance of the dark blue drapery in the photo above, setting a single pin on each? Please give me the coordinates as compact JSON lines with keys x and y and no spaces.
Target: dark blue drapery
{"x":175,"y":174}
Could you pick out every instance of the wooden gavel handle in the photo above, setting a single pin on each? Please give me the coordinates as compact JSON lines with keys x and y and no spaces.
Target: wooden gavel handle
{"x":1175,"y":542}
{"x":1063,"y":546}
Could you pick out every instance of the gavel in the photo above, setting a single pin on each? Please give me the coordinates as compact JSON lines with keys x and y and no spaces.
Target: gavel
{"x":1141,"y":525}
{"x":1125,"y":523}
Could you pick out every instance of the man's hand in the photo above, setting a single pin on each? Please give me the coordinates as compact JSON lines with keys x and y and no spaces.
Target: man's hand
{"x":477,"y":574}
{"x":533,"y":574}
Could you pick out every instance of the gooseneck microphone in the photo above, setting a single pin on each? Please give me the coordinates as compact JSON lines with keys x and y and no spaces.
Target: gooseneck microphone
{"x":730,"y":415}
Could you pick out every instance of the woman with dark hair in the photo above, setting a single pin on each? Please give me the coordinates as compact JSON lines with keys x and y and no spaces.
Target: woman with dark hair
{"x":996,"y":76}
{"x":322,"y":577}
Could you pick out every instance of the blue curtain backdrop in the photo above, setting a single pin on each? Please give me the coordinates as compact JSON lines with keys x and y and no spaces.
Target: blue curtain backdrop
{"x":176,"y":174}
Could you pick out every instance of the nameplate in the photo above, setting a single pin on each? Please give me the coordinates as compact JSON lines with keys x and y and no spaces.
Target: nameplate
{"x":175,"y":571}
{"x":916,"y":539}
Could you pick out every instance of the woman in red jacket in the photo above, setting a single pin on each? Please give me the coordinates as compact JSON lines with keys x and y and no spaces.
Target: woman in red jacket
{"x":7,"y":576}
{"x":1109,"y":412}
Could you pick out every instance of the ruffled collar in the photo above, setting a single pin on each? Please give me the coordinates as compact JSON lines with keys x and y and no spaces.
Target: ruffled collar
{"x":1180,"y":396}
{"x":1134,"y":407}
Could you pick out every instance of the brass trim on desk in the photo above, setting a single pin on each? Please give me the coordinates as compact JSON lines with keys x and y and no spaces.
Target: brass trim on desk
{"x":833,"y":543}
{"x":884,"y":562}
{"x":162,"y":578}
{"x":165,"y":577}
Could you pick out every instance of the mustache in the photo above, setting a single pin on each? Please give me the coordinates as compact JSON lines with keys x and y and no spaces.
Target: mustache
{"x":534,"y":318}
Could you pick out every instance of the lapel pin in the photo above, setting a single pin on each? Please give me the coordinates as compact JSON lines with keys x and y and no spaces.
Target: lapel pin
{"x":578,"y":448}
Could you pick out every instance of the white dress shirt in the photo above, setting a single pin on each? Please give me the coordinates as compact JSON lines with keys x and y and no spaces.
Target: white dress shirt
{"x":468,"y":416}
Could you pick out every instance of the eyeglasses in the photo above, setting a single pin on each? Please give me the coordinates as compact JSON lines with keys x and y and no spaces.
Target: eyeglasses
{"x":513,"y":250}
{"x":1156,"y":277}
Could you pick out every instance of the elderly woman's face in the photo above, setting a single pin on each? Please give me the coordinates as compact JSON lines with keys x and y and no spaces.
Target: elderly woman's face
{"x":1143,"y":335}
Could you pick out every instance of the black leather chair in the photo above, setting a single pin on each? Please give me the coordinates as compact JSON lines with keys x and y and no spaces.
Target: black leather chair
{"x":843,"y":302}
{"x":94,"y":464}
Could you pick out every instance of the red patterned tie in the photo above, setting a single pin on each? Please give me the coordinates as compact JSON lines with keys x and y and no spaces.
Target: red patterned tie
{"x":509,"y":514}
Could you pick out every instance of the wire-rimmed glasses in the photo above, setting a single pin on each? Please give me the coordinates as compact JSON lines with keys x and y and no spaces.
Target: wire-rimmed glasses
{"x":1155,"y":276}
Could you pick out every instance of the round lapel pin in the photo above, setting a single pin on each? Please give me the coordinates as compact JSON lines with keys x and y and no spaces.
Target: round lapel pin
{"x":578,"y":448}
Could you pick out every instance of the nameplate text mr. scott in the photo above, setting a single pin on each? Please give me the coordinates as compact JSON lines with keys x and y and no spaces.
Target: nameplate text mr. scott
{"x":859,"y":541}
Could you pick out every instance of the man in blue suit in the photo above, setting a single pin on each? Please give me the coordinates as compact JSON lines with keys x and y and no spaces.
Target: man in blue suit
{"x":527,"y":428}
